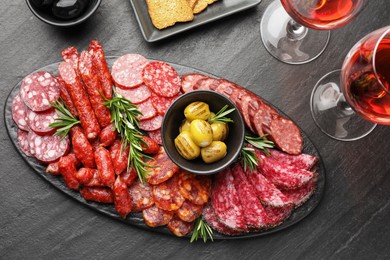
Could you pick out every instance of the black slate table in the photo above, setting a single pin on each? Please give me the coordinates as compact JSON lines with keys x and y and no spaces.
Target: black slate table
{"x":351,"y":222}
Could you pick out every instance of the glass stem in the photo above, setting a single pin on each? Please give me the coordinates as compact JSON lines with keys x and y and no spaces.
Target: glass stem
{"x":295,"y":31}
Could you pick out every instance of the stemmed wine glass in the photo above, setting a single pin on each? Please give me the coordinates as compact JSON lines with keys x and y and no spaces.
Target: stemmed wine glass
{"x":296,"y":31}
{"x":348,"y":103}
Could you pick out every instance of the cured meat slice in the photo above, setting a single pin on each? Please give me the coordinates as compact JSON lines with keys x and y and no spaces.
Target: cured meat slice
{"x":195,"y":188}
{"x":301,"y":195}
{"x":66,"y":97}
{"x":156,"y":136}
{"x":23,"y":142}
{"x":189,"y":211}
{"x":122,"y":200}
{"x":39,"y":122}
{"x":97,"y":194}
{"x":71,"y":55}
{"x":243,"y":106}
{"x":119,"y":156}
{"x":127,"y":70}
{"x":179,"y":227}
{"x":162,"y":168}
{"x":254,"y":213}
{"x":94,"y":89}
{"x":282,"y":175}
{"x":254,"y":105}
{"x":212,"y":220}
{"x":155,"y":217}
{"x":147,"y":109}
{"x":188,"y":81}
{"x":227,"y":88}
{"x":82,"y":148}
{"x":108,"y":135}
{"x":101,"y":66}
{"x":151,"y":124}
{"x":141,"y":196}
{"x":128,"y":176}
{"x":38,"y":90}
{"x":135,"y":95}
{"x":207,"y":84}
{"x":266,"y":192}
{"x":161,"y":104}
{"x":88,"y":177}
{"x":67,"y":168}
{"x":167,"y":195}
{"x":104,"y":166}
{"x":20,"y":112}
{"x":285,"y":134}
{"x":225,"y":201}
{"x":263,"y":118}
{"x":303,"y":161}
{"x":276,"y":216}
{"x":162,"y":79}
{"x":47,"y":148}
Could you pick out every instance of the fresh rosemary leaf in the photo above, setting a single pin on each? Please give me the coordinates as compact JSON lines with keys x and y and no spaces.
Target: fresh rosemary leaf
{"x":65,"y":121}
{"x":249,"y":159}
{"x":260,"y":143}
{"x":221,"y":116}
{"x":201,"y":230}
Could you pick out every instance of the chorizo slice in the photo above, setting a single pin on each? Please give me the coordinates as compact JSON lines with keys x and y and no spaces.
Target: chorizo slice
{"x":141,"y":196}
{"x":167,"y":195}
{"x":155,"y":217}
{"x":163,"y":168}
{"x":189,"y":212}
{"x":179,"y":227}
{"x":195,"y":188}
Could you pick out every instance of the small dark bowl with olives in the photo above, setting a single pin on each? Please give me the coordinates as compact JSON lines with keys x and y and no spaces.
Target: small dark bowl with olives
{"x":63,"y":13}
{"x":186,"y":132}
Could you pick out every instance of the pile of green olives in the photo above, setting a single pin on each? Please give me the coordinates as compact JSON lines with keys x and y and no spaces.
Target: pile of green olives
{"x":199,"y":136}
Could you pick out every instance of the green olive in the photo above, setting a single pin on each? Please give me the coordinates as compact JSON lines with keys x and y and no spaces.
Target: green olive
{"x":186,"y":147}
{"x":185,"y":126}
{"x":214,"y":152}
{"x":201,"y":132}
{"x":212,"y":115}
{"x":197,"y":110}
{"x":220,"y":131}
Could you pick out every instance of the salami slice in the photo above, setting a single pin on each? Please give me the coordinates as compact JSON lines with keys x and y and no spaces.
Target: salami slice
{"x":243,"y":106}
{"x":38,"y":90}
{"x":195,"y":188}
{"x":226,"y":88}
{"x":162,"y":79}
{"x":167,"y":195}
{"x":156,"y":136}
{"x":303,"y":161}
{"x":188,"y":81}
{"x":127,"y":70}
{"x":147,"y":109}
{"x":20,"y":113}
{"x":155,"y":217}
{"x":23,"y":142}
{"x":135,"y":95}
{"x":161,"y":104}
{"x":266,"y":192}
{"x":39,"y":122}
{"x":97,"y":194}
{"x":212,"y":220}
{"x":254,"y":213}
{"x":282,"y":175}
{"x":254,"y":106}
{"x":141,"y":196}
{"x":301,"y":195}
{"x":163,"y":168}
{"x":151,"y":124}
{"x":225,"y":202}
{"x":262,"y":118}
{"x":276,"y":216}
{"x":179,"y":227}
{"x":122,"y":200}
{"x":285,"y":134}
{"x":47,"y":148}
{"x":189,"y":212}
{"x":207,"y":84}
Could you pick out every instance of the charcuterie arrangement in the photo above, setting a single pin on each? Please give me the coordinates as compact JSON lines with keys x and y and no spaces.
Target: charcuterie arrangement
{"x":93,"y":160}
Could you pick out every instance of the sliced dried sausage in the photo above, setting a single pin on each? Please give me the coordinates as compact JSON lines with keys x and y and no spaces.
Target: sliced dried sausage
{"x":301,"y":195}
{"x":179,"y":227}
{"x":167,"y":195}
{"x":161,"y":104}
{"x":127,"y":70}
{"x":23,"y":142}
{"x":155,"y":217}
{"x":195,"y":188}
{"x":20,"y":112}
{"x":189,"y":211}
{"x":303,"y":161}
{"x":47,"y":148}
{"x":151,"y":124}
{"x":163,"y":168}
{"x":211,"y":219}
{"x":135,"y":95}
{"x":39,"y":122}
{"x":141,"y":196}
{"x":207,"y":84}
{"x":147,"y":109}
{"x":188,"y":81}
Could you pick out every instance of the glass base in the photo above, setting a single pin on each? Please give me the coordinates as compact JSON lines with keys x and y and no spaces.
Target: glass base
{"x":290,"y":44}
{"x":332,"y":114}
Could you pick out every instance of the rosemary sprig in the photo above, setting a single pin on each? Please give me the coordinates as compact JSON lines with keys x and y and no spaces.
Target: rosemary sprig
{"x":65,"y":122}
{"x":221,"y":116}
{"x":201,"y":230}
{"x":260,"y":142}
{"x":124,"y":115}
{"x":249,"y":159}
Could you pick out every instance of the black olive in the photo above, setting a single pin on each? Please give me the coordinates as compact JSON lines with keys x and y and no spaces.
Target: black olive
{"x":69,"y":9}
{"x":42,"y":4}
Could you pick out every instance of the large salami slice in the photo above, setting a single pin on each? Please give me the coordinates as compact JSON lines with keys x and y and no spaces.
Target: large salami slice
{"x":47,"y":148}
{"x":161,"y":104}
{"x":207,"y":84}
{"x":23,"y":142}
{"x":195,"y":188}
{"x":212,"y":220}
{"x":151,"y":124}
{"x":179,"y":227}
{"x":276,"y":216}
{"x":188,"y":81}
{"x":127,"y":70}
{"x":156,"y":136}
{"x":135,"y":95}
{"x":303,"y":161}
{"x":147,"y":109}
{"x":189,"y":211}
{"x":263,"y":118}
{"x":38,"y":90}
{"x":167,"y":195}
{"x":162,"y":79}
{"x":243,"y":106}
{"x":141,"y":196}
{"x":227,"y":88}
{"x":225,"y":202}
{"x":20,"y":112}
{"x":163,"y":168}
{"x":155,"y":217}
{"x":39,"y":122}
{"x":301,"y":195}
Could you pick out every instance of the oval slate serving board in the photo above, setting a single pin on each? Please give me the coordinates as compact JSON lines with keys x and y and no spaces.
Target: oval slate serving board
{"x":135,"y":219}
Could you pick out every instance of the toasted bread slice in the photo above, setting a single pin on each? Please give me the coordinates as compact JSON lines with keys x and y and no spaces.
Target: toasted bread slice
{"x":192,"y":3}
{"x":166,"y":13}
{"x":201,"y":5}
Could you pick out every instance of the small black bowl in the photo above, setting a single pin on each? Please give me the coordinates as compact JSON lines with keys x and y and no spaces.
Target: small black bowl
{"x":47,"y":17}
{"x":175,"y":116}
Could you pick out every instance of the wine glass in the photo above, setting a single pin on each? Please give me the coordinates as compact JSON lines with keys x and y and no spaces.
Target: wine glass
{"x":296,"y":31}
{"x":347,"y":104}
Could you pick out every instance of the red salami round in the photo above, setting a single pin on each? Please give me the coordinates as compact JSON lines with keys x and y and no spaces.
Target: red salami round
{"x":20,"y":112}
{"x":127,"y":70}
{"x":162,"y":79}
{"x":189,"y":212}
{"x":23,"y":142}
{"x":161,"y":104}
{"x":207,"y":84}
{"x":39,"y":122}
{"x":188,"y":81}
{"x":263,"y":117}
{"x":227,"y":88}
{"x":211,"y":219}
{"x":38,"y":90}
{"x":151,"y":124}
{"x":156,"y":136}
{"x":155,"y":217}
{"x":147,"y":110}
{"x":47,"y":148}
{"x":179,"y":227}
{"x":141,"y":196}
{"x":167,"y":195}
{"x":135,"y":95}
